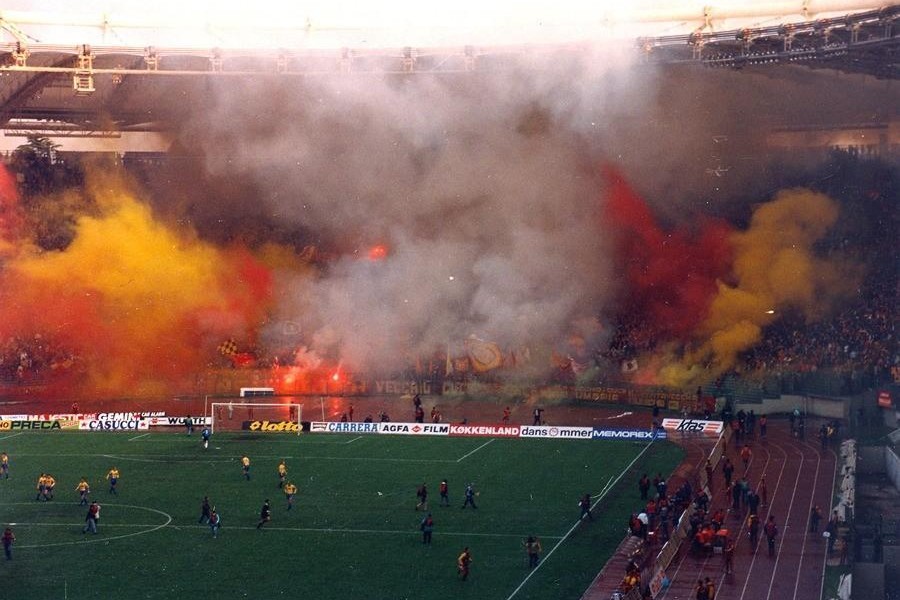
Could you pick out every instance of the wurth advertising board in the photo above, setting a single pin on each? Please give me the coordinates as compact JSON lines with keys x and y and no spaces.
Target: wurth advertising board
{"x":693,"y":426}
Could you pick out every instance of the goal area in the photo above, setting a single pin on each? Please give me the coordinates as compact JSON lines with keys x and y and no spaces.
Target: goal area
{"x":265,"y":417}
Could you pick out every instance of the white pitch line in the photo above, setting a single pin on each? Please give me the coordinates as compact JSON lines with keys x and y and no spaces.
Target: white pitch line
{"x":468,"y":454}
{"x":359,"y":437}
{"x":328,"y":530}
{"x":577,"y":523}
{"x":179,"y":458}
{"x":137,"y":437}
{"x":6,"y":437}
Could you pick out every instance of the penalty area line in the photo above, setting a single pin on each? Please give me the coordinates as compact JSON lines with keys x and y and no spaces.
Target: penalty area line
{"x":137,"y":437}
{"x":578,"y":522}
{"x":468,"y":454}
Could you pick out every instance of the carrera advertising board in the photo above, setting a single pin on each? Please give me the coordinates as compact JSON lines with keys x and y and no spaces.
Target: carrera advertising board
{"x":342,"y":427}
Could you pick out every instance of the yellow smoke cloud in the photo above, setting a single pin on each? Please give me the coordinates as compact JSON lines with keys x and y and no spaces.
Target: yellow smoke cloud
{"x":775,"y":268}
{"x":139,"y":301}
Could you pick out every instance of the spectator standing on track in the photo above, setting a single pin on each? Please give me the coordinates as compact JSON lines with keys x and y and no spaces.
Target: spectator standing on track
{"x":533,"y":550}
{"x":709,"y":474}
{"x":771,"y":531}
{"x":189,"y":425}
{"x":727,"y":471}
{"x":84,"y":489}
{"x":90,"y":520}
{"x":644,"y":486}
{"x":290,"y":490}
{"x":4,"y":465}
{"x":815,"y":516}
{"x":538,"y":415}
{"x":700,"y":591}
{"x":245,"y":466}
{"x":444,"y":489}
{"x":8,"y":538}
{"x":710,"y":589}
{"x":427,"y":527}
{"x":506,"y":415}
{"x":660,"y":483}
{"x":265,"y":514}
{"x":763,"y":426}
{"x":422,"y":495}
{"x":205,"y":510}
{"x":736,"y":498}
{"x":753,"y":502}
{"x":753,"y":531}
{"x":746,"y":456}
{"x":729,"y":556}
{"x":463,"y":561}
{"x":113,"y":476}
{"x":763,"y":491}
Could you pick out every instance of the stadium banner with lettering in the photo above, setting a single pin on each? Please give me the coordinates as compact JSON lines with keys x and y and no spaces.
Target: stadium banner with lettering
{"x":485,"y":430}
{"x":693,"y":426}
{"x":29,"y":425}
{"x":610,"y":433}
{"x":16,"y":418}
{"x":113,"y":424}
{"x":163,"y":421}
{"x":552,"y":431}
{"x":342,"y":427}
{"x":414,"y":428}
{"x":265,"y":426}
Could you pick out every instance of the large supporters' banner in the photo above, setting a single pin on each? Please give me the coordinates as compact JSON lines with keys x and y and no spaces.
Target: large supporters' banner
{"x":485,"y":430}
{"x":693,"y":426}
{"x":113,"y":424}
{"x":342,"y":427}
{"x":606,"y":433}
{"x":552,"y":431}
{"x":414,"y":428}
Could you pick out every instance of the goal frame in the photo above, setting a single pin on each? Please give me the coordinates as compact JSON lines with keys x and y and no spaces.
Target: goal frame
{"x":233,"y":405}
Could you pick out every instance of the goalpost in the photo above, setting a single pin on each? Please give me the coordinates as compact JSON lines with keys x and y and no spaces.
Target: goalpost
{"x":237,"y":416}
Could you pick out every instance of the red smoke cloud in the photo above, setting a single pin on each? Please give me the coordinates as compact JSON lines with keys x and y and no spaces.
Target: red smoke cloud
{"x":671,"y":275}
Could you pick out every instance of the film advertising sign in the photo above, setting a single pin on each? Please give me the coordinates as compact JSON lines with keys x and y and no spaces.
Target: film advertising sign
{"x":693,"y":426}
{"x":414,"y":428}
{"x":342,"y":427}
{"x":485,"y":430}
{"x":552,"y":431}
{"x":642,"y":435}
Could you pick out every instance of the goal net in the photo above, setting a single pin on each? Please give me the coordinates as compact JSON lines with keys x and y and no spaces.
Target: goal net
{"x":265,"y":417}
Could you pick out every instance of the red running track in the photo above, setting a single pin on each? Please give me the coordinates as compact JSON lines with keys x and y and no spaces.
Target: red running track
{"x":799,"y":475}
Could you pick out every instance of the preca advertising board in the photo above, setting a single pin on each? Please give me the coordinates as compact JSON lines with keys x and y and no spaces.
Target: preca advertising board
{"x":693,"y":426}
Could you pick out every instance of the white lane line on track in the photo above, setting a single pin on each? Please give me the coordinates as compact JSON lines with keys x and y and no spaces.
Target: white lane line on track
{"x":812,"y":500}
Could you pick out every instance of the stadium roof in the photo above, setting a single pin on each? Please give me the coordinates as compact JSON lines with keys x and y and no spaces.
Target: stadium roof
{"x":126,"y":67}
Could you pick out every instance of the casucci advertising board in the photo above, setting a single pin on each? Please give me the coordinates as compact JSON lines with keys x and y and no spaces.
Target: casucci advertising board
{"x":114,"y":425}
{"x":693,"y":426}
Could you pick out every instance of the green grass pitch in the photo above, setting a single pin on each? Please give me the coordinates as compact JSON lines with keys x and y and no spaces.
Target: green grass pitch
{"x":342,"y":539}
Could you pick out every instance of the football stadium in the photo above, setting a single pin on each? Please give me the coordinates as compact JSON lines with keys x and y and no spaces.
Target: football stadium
{"x":403,"y":300}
